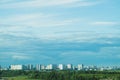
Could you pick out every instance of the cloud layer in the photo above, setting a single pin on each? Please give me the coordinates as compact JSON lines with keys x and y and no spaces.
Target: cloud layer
{"x":59,"y":31}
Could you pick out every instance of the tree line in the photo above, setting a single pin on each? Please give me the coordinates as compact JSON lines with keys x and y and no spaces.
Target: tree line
{"x":63,"y":75}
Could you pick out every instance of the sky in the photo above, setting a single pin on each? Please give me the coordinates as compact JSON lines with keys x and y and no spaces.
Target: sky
{"x":60,"y":31}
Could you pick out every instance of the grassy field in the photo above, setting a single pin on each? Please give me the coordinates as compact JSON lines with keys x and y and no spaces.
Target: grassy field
{"x":26,"y":78}
{"x":18,"y":78}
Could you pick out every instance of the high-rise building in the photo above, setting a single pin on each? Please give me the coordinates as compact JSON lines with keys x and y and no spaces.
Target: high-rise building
{"x":38,"y":67}
{"x":0,"y":67}
{"x":51,"y":67}
{"x":61,"y":67}
{"x":80,"y":66}
{"x":30,"y":67}
{"x":75,"y":67}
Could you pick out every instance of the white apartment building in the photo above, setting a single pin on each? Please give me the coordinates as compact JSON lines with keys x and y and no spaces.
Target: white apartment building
{"x":69,"y":66}
{"x":16,"y":67}
{"x":51,"y":66}
{"x":80,"y":66}
{"x":43,"y":67}
{"x":61,"y":67}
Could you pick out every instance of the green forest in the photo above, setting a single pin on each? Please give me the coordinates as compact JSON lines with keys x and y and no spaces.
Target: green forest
{"x":59,"y":75}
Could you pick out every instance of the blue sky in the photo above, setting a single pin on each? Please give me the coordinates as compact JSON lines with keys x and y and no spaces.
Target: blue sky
{"x":60,"y":31}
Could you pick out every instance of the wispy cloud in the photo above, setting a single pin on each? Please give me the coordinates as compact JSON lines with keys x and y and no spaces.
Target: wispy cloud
{"x":46,"y":3}
{"x":52,"y":30}
{"x":73,"y":36}
{"x":104,"y":23}
{"x":15,"y":56}
{"x":23,"y":19}
{"x":20,"y":57}
{"x":5,"y":1}
{"x":104,"y":52}
{"x":37,"y":20}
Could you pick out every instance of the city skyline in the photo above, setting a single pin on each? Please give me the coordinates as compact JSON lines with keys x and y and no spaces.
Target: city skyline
{"x":58,"y":67}
{"x":60,"y":31}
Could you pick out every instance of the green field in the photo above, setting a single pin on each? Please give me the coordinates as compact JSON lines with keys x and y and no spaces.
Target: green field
{"x":18,"y":78}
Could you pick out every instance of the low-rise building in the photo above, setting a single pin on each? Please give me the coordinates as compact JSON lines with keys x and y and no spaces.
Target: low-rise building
{"x":43,"y":67}
{"x":16,"y":67}
{"x":69,"y":66}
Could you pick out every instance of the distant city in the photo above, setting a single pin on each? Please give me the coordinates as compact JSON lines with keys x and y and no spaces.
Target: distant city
{"x":41,"y":67}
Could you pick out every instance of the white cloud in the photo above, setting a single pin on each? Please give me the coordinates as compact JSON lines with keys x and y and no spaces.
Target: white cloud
{"x":37,"y":20}
{"x":46,"y":3}
{"x":78,"y":53}
{"x":24,"y":18}
{"x":104,"y":52}
{"x":35,"y":32}
{"x":5,"y":1}
{"x":82,"y":4}
{"x":15,"y":56}
{"x":91,"y":37}
{"x":21,"y":57}
{"x":104,"y":23}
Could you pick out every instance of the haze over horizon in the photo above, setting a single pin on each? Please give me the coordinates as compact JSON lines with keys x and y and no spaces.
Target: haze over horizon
{"x":60,"y":31}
